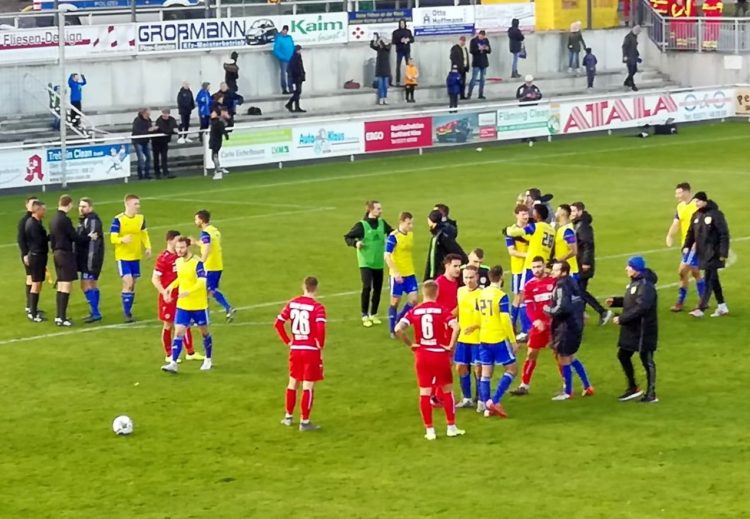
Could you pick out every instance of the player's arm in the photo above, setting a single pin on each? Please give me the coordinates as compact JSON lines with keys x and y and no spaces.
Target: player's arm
{"x":504,"y":312}
{"x":673,"y":229}
{"x":510,"y":244}
{"x":320,"y":321}
{"x":515,"y":231}
{"x":205,"y":242}
{"x":570,"y":238}
{"x":561,"y":303}
{"x":455,"y":330}
{"x":280,"y":325}
{"x":390,"y":246}
{"x":156,"y":281}
{"x":355,"y":235}
{"x":21,"y":238}
{"x":689,"y":238}
{"x":400,"y":332}
{"x":114,"y":233}
{"x":145,"y":239}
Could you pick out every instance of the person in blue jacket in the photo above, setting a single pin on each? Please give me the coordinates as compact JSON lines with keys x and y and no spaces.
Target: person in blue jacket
{"x":76,"y":82}
{"x":453,"y":82}
{"x":283,"y":50}
{"x":203,"y":101}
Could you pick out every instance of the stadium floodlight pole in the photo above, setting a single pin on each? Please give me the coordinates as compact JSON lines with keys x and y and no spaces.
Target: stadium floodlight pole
{"x":63,"y":93}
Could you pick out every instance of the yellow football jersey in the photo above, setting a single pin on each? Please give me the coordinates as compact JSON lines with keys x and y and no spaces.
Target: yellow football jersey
{"x":540,"y":242}
{"x":684,"y":214}
{"x":191,"y":280}
{"x":564,"y":236}
{"x":495,"y":323}
{"x":468,"y":314}
{"x":400,"y":246}
{"x":521,"y":244}
{"x":211,"y":237}
{"x":135,"y":227}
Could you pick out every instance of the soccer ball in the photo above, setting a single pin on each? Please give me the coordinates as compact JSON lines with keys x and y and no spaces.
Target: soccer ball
{"x":122,"y":425}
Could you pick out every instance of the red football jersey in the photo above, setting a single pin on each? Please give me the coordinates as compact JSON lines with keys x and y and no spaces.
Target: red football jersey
{"x":165,"y":267}
{"x":537,"y":293}
{"x":308,"y":320}
{"x":447,"y":292}
{"x":431,"y":322}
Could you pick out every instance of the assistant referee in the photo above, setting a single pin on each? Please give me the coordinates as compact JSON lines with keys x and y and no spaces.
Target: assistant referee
{"x":37,"y":246}
{"x":23,"y":246}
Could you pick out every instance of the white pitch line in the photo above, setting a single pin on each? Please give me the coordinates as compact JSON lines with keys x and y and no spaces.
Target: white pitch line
{"x":655,"y":251}
{"x":168,"y":198}
{"x":608,"y":167}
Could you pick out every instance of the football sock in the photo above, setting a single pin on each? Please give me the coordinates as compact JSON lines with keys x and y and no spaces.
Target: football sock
{"x":581,"y":372}
{"x":95,"y":296}
{"x":425,"y":407}
{"x":28,"y":296}
{"x":166,"y":340}
{"x":484,"y":388}
{"x":528,"y":371}
{"x":700,"y":285}
{"x":58,"y":305}
{"x":525,"y":323}
{"x":568,"y":378}
{"x":89,"y":295}
{"x":208,"y":345}
{"x":291,"y":400}
{"x":222,"y":300}
{"x":465,"y":381}
{"x":189,"y":342}
{"x":62,"y":304}
{"x":306,"y":404}
{"x":502,"y":387}
{"x":682,"y":294}
{"x":404,"y":310}
{"x":176,"y":348}
{"x":33,"y":304}
{"x":128,"y":298}
{"x":392,"y":316}
{"x":514,"y":311}
{"x":449,"y":404}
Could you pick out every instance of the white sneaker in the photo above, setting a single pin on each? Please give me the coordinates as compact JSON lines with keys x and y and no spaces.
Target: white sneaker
{"x":385,"y":101}
{"x":522,"y":337}
{"x":225,"y":171}
{"x":288,"y":421}
{"x":570,"y":70}
{"x":181,"y":141}
{"x":454,"y":431}
{"x":465,"y":403}
{"x":170,"y":367}
{"x":187,"y":141}
{"x":217,"y":176}
{"x":721,"y":310}
{"x":430,"y":434}
{"x":698,"y":312}
{"x":168,"y":359}
{"x":206,"y":364}
{"x":481,"y":408}
{"x":561,"y":396}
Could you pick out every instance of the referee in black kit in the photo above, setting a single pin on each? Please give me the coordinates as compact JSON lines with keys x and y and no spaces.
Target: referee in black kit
{"x":36,"y":242}
{"x":62,"y":237}
{"x":23,"y":247}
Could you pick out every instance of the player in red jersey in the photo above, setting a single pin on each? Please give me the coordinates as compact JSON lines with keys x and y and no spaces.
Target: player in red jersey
{"x":435,"y":334}
{"x":447,"y":295}
{"x":537,"y":294}
{"x":308,"y":324}
{"x":164,"y":274}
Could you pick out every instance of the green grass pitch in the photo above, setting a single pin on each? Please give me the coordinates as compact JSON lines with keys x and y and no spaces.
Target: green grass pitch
{"x":210,"y":444}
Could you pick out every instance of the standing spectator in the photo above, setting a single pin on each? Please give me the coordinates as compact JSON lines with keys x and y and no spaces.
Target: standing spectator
{"x":453,"y":82}
{"x":442,"y":243}
{"x":283,"y":50}
{"x":54,"y":105}
{"x":204,"y":101}
{"x":402,"y":39}
{"x":37,"y":243}
{"x":167,"y":126}
{"x":589,"y":63}
{"x":631,"y":56}
{"x":142,"y":127}
{"x":449,"y":224}
{"x":185,"y":106}
{"x":412,"y":76}
{"x":232,"y":72}
{"x":528,"y":92}
{"x":216,"y":138}
{"x":76,"y":82}
{"x":575,"y":44}
{"x":515,"y":41}
{"x":639,"y":328}
{"x":382,"y":67}
{"x":479,"y":47}
{"x":709,"y":233}
{"x":740,"y":8}
{"x":228,"y":99}
{"x":296,"y":78}
{"x":460,"y":58}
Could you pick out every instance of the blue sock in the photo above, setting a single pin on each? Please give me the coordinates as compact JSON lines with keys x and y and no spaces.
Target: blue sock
{"x":208,"y":345}
{"x":484,"y":389}
{"x":466,"y":385}
{"x":91,"y":300}
{"x":514,"y":316}
{"x":128,"y":298}
{"x":525,"y":323}
{"x":682,"y":295}
{"x":700,"y":285}
{"x":222,"y":300}
{"x":568,"y":379}
{"x":404,"y":310}
{"x":392,"y":316}
{"x":96,"y":295}
{"x":502,"y":387}
{"x":176,"y":347}
{"x":581,"y":372}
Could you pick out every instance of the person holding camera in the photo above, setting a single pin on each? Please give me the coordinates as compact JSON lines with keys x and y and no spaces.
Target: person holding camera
{"x":382,"y":67}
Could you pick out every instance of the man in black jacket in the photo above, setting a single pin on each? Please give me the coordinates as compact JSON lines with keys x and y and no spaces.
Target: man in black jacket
{"x":185,"y":106}
{"x":37,"y":242}
{"x":631,"y":56}
{"x":296,"y":72}
{"x":142,"y":127}
{"x":515,"y":42}
{"x":451,"y":226}
{"x":586,"y":257}
{"x":639,"y":331}
{"x":442,"y":243}
{"x":479,"y":47}
{"x":460,"y":59}
{"x":23,"y":247}
{"x":167,"y":126}
{"x":709,"y":233}
{"x":216,"y":135}
{"x":402,"y":39}
{"x":90,"y":256}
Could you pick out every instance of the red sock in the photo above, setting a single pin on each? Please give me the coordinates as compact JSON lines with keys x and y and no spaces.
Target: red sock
{"x":188,"y":342}
{"x":425,"y":407}
{"x":528,"y":370}
{"x":166,"y":341}
{"x":291,"y":400}
{"x":449,"y":404}
{"x":307,"y":403}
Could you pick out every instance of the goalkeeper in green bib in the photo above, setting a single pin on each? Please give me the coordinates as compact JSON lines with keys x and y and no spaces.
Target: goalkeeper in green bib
{"x":368,"y":237}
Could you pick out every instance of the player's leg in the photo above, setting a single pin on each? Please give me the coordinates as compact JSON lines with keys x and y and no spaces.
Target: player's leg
{"x":396,"y":290}
{"x":28,"y":287}
{"x":306,"y":404}
{"x":200,"y":318}
{"x":128,"y":289}
{"x":425,"y":377}
{"x":578,"y":367}
{"x":412,"y":296}
{"x":476,"y":368}
{"x":682,"y":286}
{"x":625,"y":358}
{"x":506,"y":358}
{"x":167,"y":327}
{"x":529,"y":365}
{"x":190,"y":353}
{"x":364,"y":298}
{"x":291,"y":398}
{"x":647,"y":359}
{"x":564,"y":361}
{"x":377,"y":290}
{"x":444,"y":378}
{"x":213,"y":279}
{"x":487,"y":362}
{"x":721,"y":308}
{"x":462,"y":360}
{"x":182,"y":321}
{"x":525,"y":321}
{"x":515,"y":310}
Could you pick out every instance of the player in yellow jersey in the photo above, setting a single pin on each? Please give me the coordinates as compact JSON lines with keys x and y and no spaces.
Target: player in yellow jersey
{"x":129,"y":235}
{"x":192,"y":303}
{"x":213,"y":259}
{"x":566,"y":247}
{"x":467,"y":347}
{"x":399,"y":257}
{"x":517,"y":249}
{"x":680,"y":224}
{"x":498,"y":344}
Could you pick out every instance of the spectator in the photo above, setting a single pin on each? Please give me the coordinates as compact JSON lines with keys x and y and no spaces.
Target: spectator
{"x":449,"y":224}
{"x":204,"y":101}
{"x":460,"y":58}
{"x":216,"y":138}
{"x":589,"y":63}
{"x":185,"y":106}
{"x":76,"y":82}
{"x":232,"y":72}
{"x":142,"y":126}
{"x":528,"y":92}
{"x":167,"y":126}
{"x":442,"y":243}
{"x":227,"y":99}
{"x":575,"y":44}
{"x":412,"y":76}
{"x":382,"y":67}
{"x":740,"y":8}
{"x":297,"y":77}
{"x":453,"y":82}
{"x":515,"y":40}
{"x":479,"y":47}
{"x":54,"y":104}
{"x":631,"y":56}
{"x":402,"y":39}
{"x":283,"y":50}
{"x":586,"y":257}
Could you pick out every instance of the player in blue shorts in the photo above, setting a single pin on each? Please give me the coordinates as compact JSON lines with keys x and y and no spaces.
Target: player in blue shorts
{"x":467,"y":347}
{"x":399,"y":258}
{"x":683,"y":216}
{"x":517,"y":250}
{"x":213,"y":259}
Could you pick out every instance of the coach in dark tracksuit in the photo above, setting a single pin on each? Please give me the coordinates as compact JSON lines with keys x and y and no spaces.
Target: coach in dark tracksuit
{"x":36,"y":239}
{"x":90,"y":257}
{"x":586,"y":257}
{"x":23,"y":247}
{"x":442,"y":243}
{"x":639,"y":330}
{"x":710,"y":234}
